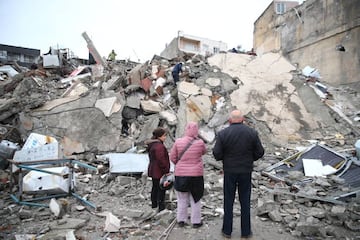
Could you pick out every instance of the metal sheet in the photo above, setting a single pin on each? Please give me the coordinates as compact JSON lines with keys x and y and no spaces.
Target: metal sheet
{"x":128,"y":162}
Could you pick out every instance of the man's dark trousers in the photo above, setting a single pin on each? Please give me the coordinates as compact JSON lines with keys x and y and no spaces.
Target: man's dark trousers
{"x":243,"y":183}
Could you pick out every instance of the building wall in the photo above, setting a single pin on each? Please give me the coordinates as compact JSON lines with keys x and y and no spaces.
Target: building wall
{"x":308,"y":35}
{"x":24,"y":56}
{"x":203,"y":46}
{"x":287,"y":5}
{"x":189,"y":45}
{"x":266,"y":35}
{"x":193,"y":45}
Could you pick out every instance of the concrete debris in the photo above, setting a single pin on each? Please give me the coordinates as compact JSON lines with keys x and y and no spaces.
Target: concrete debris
{"x":311,"y":72}
{"x":25,"y":236}
{"x":8,"y":70}
{"x":108,"y":105}
{"x":55,"y":207}
{"x":112,"y":223}
{"x":102,"y":114}
{"x":7,"y":151}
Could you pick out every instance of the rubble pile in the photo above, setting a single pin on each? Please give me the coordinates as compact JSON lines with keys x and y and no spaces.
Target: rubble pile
{"x":100,"y":116}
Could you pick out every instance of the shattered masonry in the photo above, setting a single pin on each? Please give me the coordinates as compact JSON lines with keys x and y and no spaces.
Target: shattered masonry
{"x":101,"y":115}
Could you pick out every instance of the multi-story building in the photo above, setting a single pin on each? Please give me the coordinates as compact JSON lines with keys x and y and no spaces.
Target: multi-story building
{"x":23,"y":56}
{"x":323,"y":34}
{"x":192,"y":45}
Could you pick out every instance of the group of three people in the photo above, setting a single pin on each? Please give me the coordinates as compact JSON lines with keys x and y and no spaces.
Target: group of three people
{"x":237,"y":146}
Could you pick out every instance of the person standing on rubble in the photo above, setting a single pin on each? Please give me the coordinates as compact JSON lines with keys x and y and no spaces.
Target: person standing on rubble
{"x":176,"y":72}
{"x":159,"y":165}
{"x":238,"y":146}
{"x":112,"y":55}
{"x":186,"y":154}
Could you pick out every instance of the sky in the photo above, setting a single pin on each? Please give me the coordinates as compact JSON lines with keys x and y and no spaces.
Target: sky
{"x":135,"y":29}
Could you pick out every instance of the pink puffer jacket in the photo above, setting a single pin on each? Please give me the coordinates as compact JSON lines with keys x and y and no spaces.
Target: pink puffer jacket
{"x":191,"y":163}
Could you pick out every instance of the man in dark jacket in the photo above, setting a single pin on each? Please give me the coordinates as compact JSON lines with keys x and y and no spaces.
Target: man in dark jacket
{"x":176,"y":71}
{"x":238,"y":146}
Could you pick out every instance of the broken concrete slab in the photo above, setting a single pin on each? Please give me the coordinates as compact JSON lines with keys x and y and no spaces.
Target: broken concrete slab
{"x":55,"y":207}
{"x":198,"y":108}
{"x":148,"y":126}
{"x":133,"y":100}
{"x":67,"y":234}
{"x":56,"y":102}
{"x":206,"y":92}
{"x":207,"y":134}
{"x":76,"y":78}
{"x":70,"y":121}
{"x":151,"y":106}
{"x":112,"y":223}
{"x":213,"y":82}
{"x":137,"y":74}
{"x":76,"y":89}
{"x":170,"y":118}
{"x":187,"y":88}
{"x":112,"y":83}
{"x":9,"y":70}
{"x":265,"y":79}
{"x":108,"y":105}
{"x":67,"y":223}
{"x":71,"y":147}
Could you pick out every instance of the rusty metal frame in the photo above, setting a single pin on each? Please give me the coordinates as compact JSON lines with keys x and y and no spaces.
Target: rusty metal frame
{"x":18,"y":198}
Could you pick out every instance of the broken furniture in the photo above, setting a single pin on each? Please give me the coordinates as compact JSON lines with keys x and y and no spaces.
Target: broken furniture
{"x":51,"y":182}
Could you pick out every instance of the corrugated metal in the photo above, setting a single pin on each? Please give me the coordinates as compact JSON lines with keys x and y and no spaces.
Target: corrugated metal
{"x":327,"y":156}
{"x":352,"y":176}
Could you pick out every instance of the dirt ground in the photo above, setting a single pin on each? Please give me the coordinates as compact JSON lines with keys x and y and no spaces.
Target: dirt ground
{"x":211,"y":230}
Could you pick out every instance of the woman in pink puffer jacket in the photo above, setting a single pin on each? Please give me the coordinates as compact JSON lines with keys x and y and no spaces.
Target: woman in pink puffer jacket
{"x":189,"y":171}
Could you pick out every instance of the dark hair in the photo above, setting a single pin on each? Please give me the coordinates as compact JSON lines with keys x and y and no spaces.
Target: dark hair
{"x":158,"y":132}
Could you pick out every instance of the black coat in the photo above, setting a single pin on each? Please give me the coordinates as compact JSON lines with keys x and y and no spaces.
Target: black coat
{"x":238,"y":146}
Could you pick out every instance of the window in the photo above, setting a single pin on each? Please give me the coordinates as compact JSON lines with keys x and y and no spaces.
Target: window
{"x":190,"y":47}
{"x":3,"y":54}
{"x":280,"y":8}
{"x":216,"y":50}
{"x":13,"y":57}
{"x":28,"y":59}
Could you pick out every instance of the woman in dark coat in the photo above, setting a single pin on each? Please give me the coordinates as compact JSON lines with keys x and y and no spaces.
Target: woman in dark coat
{"x":159,"y":165}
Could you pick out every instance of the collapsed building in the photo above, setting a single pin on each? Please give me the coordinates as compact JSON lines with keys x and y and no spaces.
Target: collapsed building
{"x":99,"y":117}
{"x":72,"y":154}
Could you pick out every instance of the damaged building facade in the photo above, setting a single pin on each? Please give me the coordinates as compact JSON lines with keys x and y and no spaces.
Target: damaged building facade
{"x":23,"y":56}
{"x":322,"y":34}
{"x":185,"y":43}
